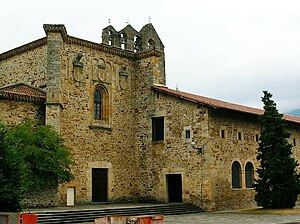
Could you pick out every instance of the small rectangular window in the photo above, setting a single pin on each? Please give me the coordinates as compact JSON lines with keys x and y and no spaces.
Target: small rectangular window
{"x":294,"y":141}
{"x":256,"y":138}
{"x":239,"y":135}
{"x":187,"y":134}
{"x":222,"y":133}
{"x":158,"y":128}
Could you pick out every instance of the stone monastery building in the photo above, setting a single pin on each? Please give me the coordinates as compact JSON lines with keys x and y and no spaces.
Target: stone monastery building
{"x":132,"y":138}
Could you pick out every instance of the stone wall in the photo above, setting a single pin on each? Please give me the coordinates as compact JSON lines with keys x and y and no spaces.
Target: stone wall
{"x":176,"y":154}
{"x":28,"y":67}
{"x":15,"y":112}
{"x":41,"y":198}
{"x":147,"y":72}
{"x":225,"y":150}
{"x":107,"y":143}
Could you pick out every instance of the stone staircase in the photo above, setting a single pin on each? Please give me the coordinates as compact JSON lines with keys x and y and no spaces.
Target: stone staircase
{"x":88,"y":215}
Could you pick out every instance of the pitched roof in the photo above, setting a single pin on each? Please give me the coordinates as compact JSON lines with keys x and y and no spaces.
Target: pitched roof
{"x":23,"y":92}
{"x":214,"y":103}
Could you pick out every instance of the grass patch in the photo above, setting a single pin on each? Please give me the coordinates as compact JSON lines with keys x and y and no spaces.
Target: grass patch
{"x":270,"y":211}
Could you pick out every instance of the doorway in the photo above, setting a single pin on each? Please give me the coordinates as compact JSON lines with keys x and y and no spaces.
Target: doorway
{"x":174,"y":187}
{"x":99,"y":184}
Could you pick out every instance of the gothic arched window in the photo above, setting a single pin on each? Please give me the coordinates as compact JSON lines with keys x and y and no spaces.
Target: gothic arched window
{"x":236,"y":175}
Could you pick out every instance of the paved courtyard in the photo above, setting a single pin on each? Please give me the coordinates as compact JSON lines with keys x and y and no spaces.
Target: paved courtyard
{"x":231,"y":218}
{"x":223,"y":217}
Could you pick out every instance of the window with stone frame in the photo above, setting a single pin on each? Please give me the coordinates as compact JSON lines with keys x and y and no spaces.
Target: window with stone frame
{"x":100,"y":104}
{"x":249,"y":175}
{"x":240,"y":136}
{"x":187,"y":133}
{"x":236,"y":175}
{"x":158,"y":127}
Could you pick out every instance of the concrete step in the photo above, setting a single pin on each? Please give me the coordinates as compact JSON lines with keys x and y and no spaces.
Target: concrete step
{"x":88,"y":215}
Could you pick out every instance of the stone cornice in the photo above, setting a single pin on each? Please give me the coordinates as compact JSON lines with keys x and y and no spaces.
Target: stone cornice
{"x":56,"y":28}
{"x":27,"y":47}
{"x":80,"y":42}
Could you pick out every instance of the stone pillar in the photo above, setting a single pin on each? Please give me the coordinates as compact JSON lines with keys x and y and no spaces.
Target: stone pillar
{"x":56,"y":34}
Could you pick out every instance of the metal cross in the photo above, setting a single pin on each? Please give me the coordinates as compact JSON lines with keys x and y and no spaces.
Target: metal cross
{"x":108,"y":21}
{"x":149,"y":19}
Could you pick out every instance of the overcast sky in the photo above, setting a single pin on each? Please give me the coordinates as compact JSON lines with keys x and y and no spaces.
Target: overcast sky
{"x":230,"y":50}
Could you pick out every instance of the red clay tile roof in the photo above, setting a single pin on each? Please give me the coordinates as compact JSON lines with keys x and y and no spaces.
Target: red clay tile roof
{"x":23,"y":92}
{"x":218,"y":103}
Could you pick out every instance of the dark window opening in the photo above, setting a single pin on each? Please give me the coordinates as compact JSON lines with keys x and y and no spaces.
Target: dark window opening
{"x":294,"y":142}
{"x":187,"y":134}
{"x":239,"y":135}
{"x":256,"y":138}
{"x":222,"y":133}
{"x":157,"y":128}
{"x":236,"y":175}
{"x":151,"y":44}
{"x":97,"y":106}
{"x":249,"y":172}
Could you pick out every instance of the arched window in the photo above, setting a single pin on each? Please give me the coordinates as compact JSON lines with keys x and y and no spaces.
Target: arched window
{"x":98,"y":115}
{"x":137,"y":43}
{"x":249,"y":171}
{"x":111,"y":38}
{"x":236,"y":175}
{"x":123,"y":38}
{"x":151,"y":44}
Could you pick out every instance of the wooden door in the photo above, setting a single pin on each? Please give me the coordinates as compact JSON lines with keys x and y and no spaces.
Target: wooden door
{"x":174,"y":184}
{"x":99,"y":185}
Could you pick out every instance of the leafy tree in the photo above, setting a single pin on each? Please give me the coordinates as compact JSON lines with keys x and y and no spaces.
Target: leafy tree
{"x":12,"y":186}
{"x":277,"y":185}
{"x":46,"y":157}
{"x":31,"y":157}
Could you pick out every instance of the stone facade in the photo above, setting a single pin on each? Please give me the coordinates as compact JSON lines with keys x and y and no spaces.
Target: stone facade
{"x":189,"y":160}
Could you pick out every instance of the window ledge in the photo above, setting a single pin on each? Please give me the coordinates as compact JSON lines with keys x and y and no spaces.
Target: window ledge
{"x":158,"y":142}
{"x":100,"y":125}
{"x":237,"y":189}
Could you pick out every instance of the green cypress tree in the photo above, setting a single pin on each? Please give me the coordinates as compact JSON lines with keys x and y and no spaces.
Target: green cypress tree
{"x":277,"y":185}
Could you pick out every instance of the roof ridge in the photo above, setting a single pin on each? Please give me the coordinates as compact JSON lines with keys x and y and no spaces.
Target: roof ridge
{"x":216,"y":103}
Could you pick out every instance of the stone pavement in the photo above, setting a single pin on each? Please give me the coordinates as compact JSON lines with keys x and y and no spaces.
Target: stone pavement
{"x":231,"y":218}
{"x":223,"y":217}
